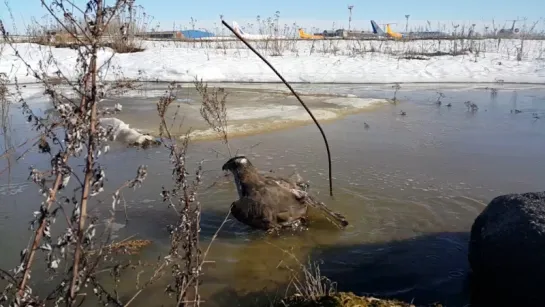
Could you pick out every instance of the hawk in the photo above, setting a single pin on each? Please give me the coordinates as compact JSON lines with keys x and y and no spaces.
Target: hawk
{"x":270,"y":203}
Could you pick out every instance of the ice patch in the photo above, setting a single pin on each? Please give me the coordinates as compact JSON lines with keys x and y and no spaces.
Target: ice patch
{"x":355,"y":102}
{"x":299,"y":113}
{"x":291,"y":113}
{"x":123,"y":133}
{"x":302,"y":115}
{"x":266,"y":111}
{"x":269,"y":117}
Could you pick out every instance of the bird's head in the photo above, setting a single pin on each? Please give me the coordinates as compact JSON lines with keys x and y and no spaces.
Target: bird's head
{"x":237,"y":164}
{"x":243,"y":172}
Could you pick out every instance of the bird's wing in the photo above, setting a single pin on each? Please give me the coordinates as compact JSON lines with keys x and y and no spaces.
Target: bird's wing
{"x":249,"y":211}
{"x":296,"y":178}
{"x":290,"y":201}
{"x":294,"y":181}
{"x":271,"y":180}
{"x":336,"y":218}
{"x":287,"y":207}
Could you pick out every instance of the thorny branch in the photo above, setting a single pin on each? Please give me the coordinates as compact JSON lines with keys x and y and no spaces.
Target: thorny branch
{"x":184,"y":255}
{"x":72,"y":131}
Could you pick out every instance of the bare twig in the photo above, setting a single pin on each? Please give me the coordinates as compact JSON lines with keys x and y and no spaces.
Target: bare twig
{"x":213,"y":110}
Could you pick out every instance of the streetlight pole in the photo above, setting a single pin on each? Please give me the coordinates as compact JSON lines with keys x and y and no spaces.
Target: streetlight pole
{"x":350,"y":7}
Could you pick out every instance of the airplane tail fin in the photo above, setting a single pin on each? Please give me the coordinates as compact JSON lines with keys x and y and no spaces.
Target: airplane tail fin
{"x":388,"y":29}
{"x":392,"y":33}
{"x":237,"y":28}
{"x":376,"y":28}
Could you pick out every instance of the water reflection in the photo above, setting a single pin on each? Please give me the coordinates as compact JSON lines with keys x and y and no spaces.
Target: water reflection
{"x":410,"y":187}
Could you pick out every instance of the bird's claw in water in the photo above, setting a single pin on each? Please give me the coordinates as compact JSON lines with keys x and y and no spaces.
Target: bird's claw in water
{"x":296,"y":226}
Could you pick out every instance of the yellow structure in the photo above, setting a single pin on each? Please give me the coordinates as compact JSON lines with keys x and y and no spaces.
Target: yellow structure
{"x":391,"y":33}
{"x":304,"y":35}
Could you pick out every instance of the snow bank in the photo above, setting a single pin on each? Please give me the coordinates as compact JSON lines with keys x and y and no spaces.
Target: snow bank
{"x":252,"y":120}
{"x":304,"y":61}
{"x":123,"y":133}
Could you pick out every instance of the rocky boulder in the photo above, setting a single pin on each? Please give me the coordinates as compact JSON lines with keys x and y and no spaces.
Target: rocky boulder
{"x":507,"y":251}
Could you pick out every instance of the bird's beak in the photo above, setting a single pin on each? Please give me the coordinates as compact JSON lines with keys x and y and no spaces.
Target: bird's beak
{"x":225,"y":167}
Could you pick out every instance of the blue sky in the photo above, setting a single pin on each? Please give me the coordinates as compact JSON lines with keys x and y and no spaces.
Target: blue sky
{"x":317,"y":13}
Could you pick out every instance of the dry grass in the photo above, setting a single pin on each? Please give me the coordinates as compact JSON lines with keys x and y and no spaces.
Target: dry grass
{"x":474,"y":49}
{"x":119,"y":34}
{"x":312,"y":289}
{"x":343,"y":299}
{"x":125,"y":47}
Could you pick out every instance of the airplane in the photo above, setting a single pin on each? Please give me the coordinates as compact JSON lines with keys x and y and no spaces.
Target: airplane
{"x":304,"y":35}
{"x":509,"y":32}
{"x":376,"y":29}
{"x":389,"y":33}
{"x":245,"y":35}
{"x":395,"y":35}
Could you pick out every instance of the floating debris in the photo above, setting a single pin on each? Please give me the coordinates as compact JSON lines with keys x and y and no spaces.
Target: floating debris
{"x":129,"y":247}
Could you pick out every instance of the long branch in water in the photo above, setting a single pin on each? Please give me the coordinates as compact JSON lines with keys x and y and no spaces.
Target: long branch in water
{"x":296,"y":96}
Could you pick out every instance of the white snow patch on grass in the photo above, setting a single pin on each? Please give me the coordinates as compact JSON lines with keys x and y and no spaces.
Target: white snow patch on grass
{"x":314,"y":62}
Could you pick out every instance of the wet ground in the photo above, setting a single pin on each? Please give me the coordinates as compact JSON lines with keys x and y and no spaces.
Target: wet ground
{"x":410,"y":186}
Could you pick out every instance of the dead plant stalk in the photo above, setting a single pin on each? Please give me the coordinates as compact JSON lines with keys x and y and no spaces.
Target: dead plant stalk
{"x":96,"y":33}
{"x":82,"y":134}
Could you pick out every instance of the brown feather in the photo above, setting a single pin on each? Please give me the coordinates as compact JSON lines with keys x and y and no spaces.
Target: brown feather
{"x":269,"y":202}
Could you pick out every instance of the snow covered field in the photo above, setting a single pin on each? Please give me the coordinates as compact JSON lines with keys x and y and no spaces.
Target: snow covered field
{"x":328,"y":61}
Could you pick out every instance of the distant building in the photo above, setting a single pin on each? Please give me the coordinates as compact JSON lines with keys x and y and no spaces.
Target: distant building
{"x":196,"y":34}
{"x":336,"y":33}
{"x":428,"y":34}
{"x":357,"y":34}
{"x":342,"y":33}
{"x":185,"y":34}
{"x":161,"y":35}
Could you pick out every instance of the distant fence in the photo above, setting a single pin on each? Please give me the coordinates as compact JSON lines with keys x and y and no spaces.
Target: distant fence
{"x":28,"y":38}
{"x":367,"y":38}
{"x":17,"y":38}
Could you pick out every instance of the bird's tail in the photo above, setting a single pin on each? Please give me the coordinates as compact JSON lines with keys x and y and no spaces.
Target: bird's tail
{"x":336,"y":218}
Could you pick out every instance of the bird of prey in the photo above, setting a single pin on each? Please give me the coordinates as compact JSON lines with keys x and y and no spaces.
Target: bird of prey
{"x":270,"y":203}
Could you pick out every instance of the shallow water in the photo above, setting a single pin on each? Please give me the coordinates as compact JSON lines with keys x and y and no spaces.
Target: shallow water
{"x":409,"y":185}
{"x":249,"y":111}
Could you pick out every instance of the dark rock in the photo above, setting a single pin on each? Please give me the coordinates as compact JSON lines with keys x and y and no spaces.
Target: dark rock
{"x":507,"y":251}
